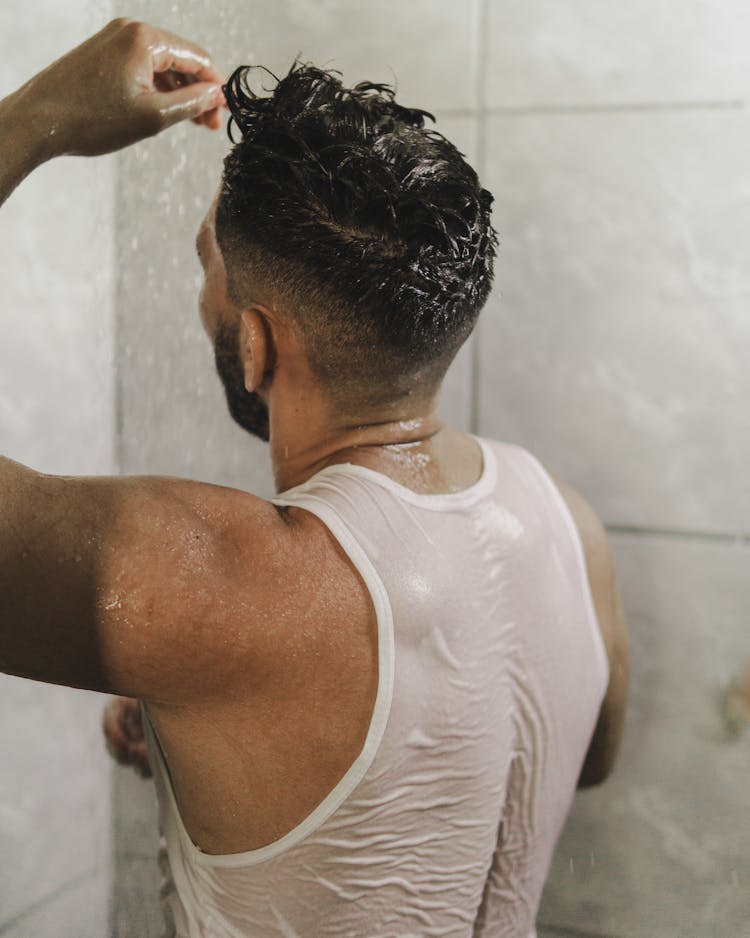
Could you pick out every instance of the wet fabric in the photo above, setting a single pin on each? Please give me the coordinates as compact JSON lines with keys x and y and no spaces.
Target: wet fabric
{"x":491,"y":674}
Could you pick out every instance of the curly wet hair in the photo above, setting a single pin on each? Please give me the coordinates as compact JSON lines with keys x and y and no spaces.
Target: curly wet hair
{"x":373,"y":230}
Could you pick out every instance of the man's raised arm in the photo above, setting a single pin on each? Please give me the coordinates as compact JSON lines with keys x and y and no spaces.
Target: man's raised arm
{"x":107,"y":583}
{"x":127,"y":82}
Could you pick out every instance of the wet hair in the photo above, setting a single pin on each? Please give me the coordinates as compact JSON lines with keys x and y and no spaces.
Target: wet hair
{"x":373,"y":231}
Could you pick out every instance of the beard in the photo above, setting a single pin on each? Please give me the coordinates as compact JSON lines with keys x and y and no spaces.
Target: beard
{"x":245,"y":407}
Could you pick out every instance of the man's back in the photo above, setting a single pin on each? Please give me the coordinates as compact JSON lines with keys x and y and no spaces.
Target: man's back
{"x":452,"y":719}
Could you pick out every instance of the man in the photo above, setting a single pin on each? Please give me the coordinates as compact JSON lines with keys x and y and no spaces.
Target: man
{"x":367,"y":703}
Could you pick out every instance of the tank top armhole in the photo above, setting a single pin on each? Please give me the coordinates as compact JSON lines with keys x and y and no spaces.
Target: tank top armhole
{"x":378,"y":721}
{"x":575,"y":537}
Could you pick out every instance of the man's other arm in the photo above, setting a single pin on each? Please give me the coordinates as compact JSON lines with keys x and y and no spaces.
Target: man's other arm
{"x":600,"y":566}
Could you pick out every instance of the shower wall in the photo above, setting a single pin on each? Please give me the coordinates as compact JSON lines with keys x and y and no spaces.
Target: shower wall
{"x":57,"y":416}
{"x":615,"y":140}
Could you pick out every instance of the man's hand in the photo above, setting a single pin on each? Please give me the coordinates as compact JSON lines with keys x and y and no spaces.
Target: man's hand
{"x":123,"y":732}
{"x":127,"y":82}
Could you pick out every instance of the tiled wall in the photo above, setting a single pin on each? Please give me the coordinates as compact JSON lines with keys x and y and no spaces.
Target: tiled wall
{"x":56,"y":415}
{"x":615,"y":139}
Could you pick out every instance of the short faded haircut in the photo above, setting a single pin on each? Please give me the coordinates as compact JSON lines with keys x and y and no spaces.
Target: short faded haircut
{"x":372,"y":231}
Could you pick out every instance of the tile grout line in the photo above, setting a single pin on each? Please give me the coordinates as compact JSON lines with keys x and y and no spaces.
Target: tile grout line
{"x":118,"y":388}
{"x":618,"y":107}
{"x":624,"y":107}
{"x":480,"y":75}
{"x":565,"y":932}
{"x":48,"y":898}
{"x":737,"y":538}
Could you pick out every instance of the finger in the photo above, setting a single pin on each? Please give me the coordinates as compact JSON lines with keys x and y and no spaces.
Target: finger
{"x":133,"y":730}
{"x":170,"y":52}
{"x":138,"y":752}
{"x":112,"y":707}
{"x":113,"y":731}
{"x":184,"y":103}
{"x":144,"y":771}
{"x":139,"y":760}
{"x":128,"y":753}
{"x":170,"y":81}
{"x":118,"y":753}
{"x":211,"y":119}
{"x":216,"y":121}
{"x":116,"y":737}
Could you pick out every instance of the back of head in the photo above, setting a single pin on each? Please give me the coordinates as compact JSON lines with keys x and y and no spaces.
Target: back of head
{"x":372,"y":231}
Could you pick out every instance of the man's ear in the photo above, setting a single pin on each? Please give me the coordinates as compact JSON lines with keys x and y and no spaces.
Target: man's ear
{"x":256,"y":347}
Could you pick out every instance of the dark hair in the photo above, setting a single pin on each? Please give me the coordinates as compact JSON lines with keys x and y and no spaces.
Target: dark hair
{"x":373,"y":229}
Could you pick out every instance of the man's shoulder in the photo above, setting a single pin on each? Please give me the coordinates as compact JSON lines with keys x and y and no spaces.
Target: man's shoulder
{"x":276,"y":581}
{"x":204,"y":560}
{"x":213,"y":500}
{"x":244,"y":534}
{"x":256,"y":551}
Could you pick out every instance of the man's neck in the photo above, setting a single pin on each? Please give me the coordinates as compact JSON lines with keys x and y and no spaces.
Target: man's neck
{"x":305,"y":437}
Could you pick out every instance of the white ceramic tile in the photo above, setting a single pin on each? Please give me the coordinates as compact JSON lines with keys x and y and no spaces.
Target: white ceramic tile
{"x":77,"y":910}
{"x":455,"y":401}
{"x":135,"y":828}
{"x":462,"y":131}
{"x":28,"y":48}
{"x":54,"y":791}
{"x":455,"y":398}
{"x":56,"y":357}
{"x":616,"y":341}
{"x":136,"y":911}
{"x":544,"y":52}
{"x":135,"y":906}
{"x":663,"y":847}
{"x":173,"y":418}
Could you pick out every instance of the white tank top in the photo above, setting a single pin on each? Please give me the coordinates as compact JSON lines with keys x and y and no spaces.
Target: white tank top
{"x":491,"y":674}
